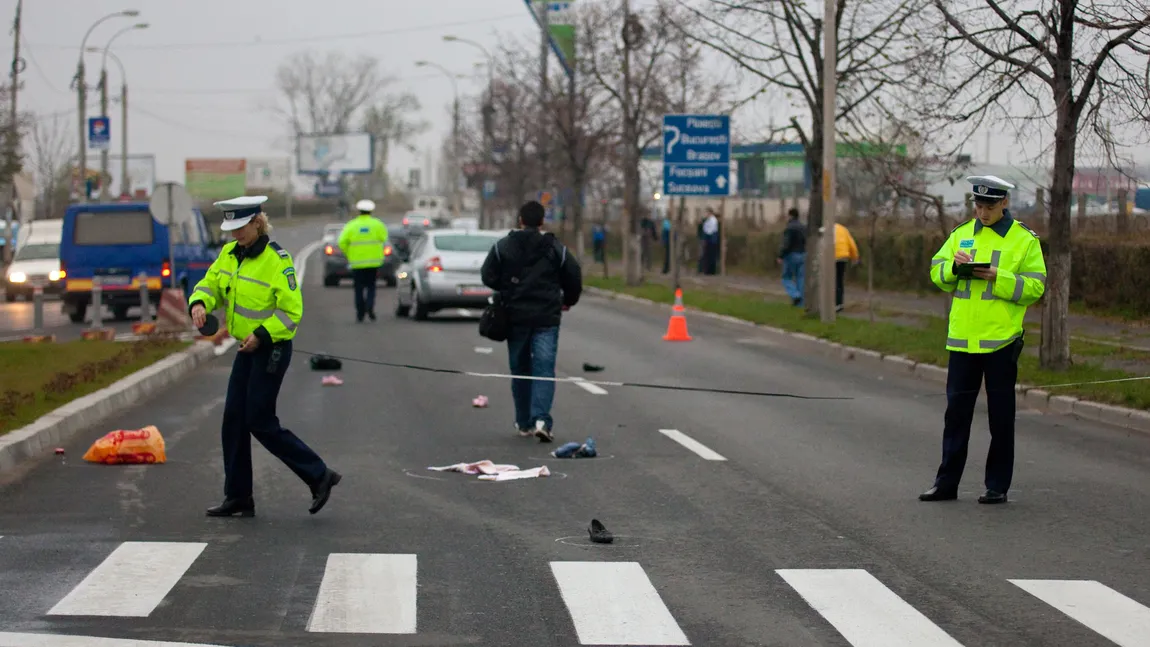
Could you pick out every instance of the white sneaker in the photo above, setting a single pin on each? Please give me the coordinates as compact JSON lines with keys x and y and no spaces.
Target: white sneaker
{"x":542,"y":433}
{"x":524,"y":433}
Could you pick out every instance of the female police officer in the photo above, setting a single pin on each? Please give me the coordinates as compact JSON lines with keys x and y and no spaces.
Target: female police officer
{"x":254,"y":280}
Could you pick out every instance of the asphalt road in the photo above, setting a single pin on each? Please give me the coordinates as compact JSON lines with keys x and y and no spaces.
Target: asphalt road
{"x":731,"y":530}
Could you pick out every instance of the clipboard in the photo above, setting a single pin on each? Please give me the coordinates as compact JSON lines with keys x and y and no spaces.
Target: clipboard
{"x":966,"y":270}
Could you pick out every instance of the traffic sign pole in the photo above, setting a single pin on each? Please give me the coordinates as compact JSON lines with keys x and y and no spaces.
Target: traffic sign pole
{"x":826,"y":278}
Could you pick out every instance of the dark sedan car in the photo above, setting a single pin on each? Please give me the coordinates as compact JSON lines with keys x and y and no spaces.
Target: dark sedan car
{"x":335,"y":266}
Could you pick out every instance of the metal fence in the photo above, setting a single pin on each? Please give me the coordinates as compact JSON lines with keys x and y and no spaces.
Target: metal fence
{"x":39,"y":313}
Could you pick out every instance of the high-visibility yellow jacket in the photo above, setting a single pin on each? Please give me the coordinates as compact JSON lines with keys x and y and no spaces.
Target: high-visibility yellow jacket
{"x":845,"y":247}
{"x":362,"y":241}
{"x":257,"y":287}
{"x":987,"y":315}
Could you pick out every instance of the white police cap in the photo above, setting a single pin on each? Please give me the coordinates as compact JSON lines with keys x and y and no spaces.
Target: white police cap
{"x":989,"y":188}
{"x":240,"y":211}
{"x":365,"y":206}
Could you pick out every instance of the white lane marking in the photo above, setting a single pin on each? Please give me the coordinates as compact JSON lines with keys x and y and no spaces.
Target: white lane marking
{"x":366,"y":593}
{"x":132,"y":581}
{"x":692,"y":444}
{"x":484,"y":350}
{"x":1102,"y":609}
{"x":614,"y":603}
{"x":463,"y":312}
{"x":864,"y":610}
{"x":593,"y":389}
{"x":50,"y":640}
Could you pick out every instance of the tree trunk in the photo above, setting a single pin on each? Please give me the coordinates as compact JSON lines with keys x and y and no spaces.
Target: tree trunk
{"x":870,"y":266}
{"x":1054,"y":352}
{"x":814,"y":221}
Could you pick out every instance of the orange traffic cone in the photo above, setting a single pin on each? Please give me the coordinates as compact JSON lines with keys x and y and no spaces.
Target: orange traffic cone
{"x":677,"y":327}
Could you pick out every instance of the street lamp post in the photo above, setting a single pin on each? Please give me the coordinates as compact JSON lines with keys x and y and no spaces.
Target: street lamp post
{"x":456,"y":207}
{"x":104,"y":194}
{"x":125,"y":184}
{"x":488,"y":113}
{"x":82,"y":93}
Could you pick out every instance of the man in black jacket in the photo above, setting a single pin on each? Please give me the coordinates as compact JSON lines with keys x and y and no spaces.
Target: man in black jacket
{"x":537,"y":279}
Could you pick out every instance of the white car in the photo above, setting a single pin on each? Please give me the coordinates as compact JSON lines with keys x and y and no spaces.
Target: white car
{"x":443,"y":272}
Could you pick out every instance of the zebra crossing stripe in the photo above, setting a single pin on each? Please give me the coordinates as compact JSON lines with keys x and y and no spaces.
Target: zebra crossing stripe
{"x":8,"y":639}
{"x":366,"y":593}
{"x":1102,"y":609}
{"x":132,"y":581}
{"x":614,"y":603}
{"x":864,"y":610}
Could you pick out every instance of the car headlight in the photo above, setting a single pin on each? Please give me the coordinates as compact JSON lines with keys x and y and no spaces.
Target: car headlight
{"x":55,"y":275}
{"x":17,"y":277}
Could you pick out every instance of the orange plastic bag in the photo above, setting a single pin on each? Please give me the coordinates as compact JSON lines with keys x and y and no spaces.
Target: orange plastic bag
{"x":142,"y":446}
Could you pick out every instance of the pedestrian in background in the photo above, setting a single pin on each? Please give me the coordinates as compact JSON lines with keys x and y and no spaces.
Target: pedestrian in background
{"x":362,"y":241}
{"x":711,"y":242}
{"x":985,"y":332}
{"x":792,"y":257}
{"x":846,"y":251}
{"x":254,"y":279}
{"x":537,"y":280}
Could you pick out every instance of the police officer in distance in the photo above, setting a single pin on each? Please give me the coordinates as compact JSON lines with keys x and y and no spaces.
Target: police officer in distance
{"x":255,"y":280}
{"x":985,"y":332}
{"x":362,"y":241}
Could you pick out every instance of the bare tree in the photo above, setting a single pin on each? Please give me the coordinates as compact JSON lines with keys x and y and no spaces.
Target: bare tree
{"x":392,"y":122}
{"x":642,"y":41}
{"x":1072,"y":58}
{"x":780,"y":45}
{"x":325,"y":94}
{"x":53,"y":147}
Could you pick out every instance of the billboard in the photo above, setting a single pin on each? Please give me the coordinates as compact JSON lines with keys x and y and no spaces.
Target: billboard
{"x":141,"y":175}
{"x":269,"y":173}
{"x":352,"y":153}
{"x":215,"y":179}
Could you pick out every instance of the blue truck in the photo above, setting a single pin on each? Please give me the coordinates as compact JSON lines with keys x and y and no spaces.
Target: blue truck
{"x":118,"y":242}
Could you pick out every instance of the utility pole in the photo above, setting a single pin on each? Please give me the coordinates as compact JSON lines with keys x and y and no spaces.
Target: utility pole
{"x":488,"y":156}
{"x":125,"y":185}
{"x":81,"y":104}
{"x":104,"y":151}
{"x":631,"y":262}
{"x":544,"y":42}
{"x":827,"y":242}
{"x":14,"y":133}
{"x":456,"y":170}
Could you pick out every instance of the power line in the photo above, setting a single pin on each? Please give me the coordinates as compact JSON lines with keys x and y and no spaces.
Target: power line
{"x":303,"y":39}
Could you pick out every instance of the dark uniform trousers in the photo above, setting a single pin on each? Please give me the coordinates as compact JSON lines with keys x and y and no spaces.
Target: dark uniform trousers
{"x":250,"y":410}
{"x":363,"y":282}
{"x":965,"y":372}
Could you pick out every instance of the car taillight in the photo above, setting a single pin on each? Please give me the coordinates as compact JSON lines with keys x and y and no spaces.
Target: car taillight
{"x":166,"y":269}
{"x":434,"y":265}
{"x":387,"y":250}
{"x":328,"y":250}
{"x":406,"y":221}
{"x":426,"y":223}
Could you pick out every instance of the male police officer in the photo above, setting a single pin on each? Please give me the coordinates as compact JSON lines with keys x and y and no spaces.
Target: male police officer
{"x":362,"y":241}
{"x":1007,"y":274}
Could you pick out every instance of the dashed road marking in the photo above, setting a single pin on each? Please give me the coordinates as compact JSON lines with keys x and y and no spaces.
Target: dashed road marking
{"x":692,"y":444}
{"x":593,"y":389}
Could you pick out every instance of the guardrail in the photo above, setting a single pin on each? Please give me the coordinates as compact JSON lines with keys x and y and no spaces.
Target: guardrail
{"x":40,"y":315}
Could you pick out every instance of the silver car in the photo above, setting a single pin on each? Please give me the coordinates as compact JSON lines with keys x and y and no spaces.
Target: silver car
{"x":443,"y":272}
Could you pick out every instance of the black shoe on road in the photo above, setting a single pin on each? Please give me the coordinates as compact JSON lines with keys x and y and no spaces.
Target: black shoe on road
{"x":231,"y":507}
{"x":935,"y":494}
{"x":322,"y":491}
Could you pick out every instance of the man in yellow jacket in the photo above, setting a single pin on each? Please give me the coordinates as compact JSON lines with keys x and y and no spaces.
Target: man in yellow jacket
{"x":845,"y":251}
{"x":993,"y":266}
{"x":362,"y":242}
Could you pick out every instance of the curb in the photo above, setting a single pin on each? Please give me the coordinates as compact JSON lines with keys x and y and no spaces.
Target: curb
{"x":55,"y":428}
{"x":1027,"y":396}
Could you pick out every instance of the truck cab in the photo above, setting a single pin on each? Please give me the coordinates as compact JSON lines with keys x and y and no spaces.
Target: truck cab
{"x":36,"y":262}
{"x":117,"y":242}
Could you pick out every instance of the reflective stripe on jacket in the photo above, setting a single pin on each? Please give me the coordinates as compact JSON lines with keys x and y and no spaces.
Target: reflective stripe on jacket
{"x":362,"y":241}
{"x":986,"y":316}
{"x":258,"y":289}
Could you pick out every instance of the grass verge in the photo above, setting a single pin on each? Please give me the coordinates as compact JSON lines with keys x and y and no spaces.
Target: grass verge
{"x":37,"y":378}
{"x":922,"y":343}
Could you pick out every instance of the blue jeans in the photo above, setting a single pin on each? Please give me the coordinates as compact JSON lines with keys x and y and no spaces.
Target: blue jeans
{"x":793,"y":274}
{"x":532,"y":352}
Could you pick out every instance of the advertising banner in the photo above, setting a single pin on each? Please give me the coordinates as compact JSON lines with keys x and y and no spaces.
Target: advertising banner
{"x":561,"y":26}
{"x":215,"y":179}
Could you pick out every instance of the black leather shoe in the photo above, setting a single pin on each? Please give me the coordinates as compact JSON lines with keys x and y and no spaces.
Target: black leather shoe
{"x":992,"y":497}
{"x":371,"y":314}
{"x":599,"y":533}
{"x":322,"y":491}
{"x":935,"y":494}
{"x":231,"y":507}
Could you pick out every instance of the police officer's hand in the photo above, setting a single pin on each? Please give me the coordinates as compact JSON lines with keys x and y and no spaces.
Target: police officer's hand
{"x":250,"y":344}
{"x":989,"y":274}
{"x":199,"y":315}
{"x":961,"y":257}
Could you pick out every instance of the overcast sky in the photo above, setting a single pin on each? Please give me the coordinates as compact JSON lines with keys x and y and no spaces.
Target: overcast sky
{"x":199,"y":74}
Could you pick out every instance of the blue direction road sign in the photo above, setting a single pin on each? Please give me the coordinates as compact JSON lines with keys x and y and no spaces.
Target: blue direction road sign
{"x":99,"y":133}
{"x":696,"y":155}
